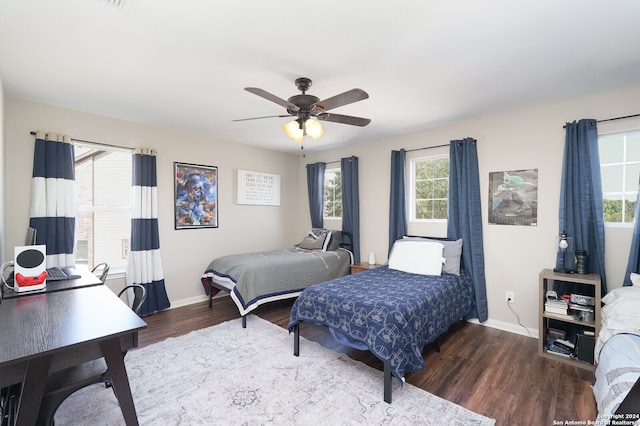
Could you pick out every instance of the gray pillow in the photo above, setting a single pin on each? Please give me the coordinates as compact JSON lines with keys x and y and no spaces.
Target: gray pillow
{"x":452,"y":253}
{"x":316,"y":239}
{"x":336,"y":239}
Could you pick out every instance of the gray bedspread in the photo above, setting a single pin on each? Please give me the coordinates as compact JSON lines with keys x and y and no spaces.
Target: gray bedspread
{"x":259,"y":277}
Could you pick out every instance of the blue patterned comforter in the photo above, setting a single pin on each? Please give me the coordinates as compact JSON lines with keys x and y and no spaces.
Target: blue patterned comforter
{"x":392,"y":313}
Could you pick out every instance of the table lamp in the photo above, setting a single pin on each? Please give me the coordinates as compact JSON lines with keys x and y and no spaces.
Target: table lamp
{"x":565,"y":247}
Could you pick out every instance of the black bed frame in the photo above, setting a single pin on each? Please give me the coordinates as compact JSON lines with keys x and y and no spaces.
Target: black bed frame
{"x":387,"y":370}
{"x":630,"y":405}
{"x":347,"y":243}
{"x":387,"y":391}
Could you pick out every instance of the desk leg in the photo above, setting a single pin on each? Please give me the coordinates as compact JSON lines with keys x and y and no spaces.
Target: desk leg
{"x":35,"y":380}
{"x":115,"y":363}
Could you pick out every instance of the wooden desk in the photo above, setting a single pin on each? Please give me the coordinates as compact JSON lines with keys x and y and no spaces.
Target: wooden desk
{"x":48,"y":332}
{"x":87,"y":279}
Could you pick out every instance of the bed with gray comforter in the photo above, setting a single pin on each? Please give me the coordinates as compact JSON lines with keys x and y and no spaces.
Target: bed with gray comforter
{"x":260,"y":277}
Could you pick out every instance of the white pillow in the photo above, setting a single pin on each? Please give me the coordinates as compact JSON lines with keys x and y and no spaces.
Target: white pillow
{"x":635,"y":278}
{"x":417,"y":257}
{"x":626,"y":293}
{"x":452,"y":253}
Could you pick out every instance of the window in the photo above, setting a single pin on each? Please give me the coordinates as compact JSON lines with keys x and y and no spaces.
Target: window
{"x":332,"y":194}
{"x":429,"y":192}
{"x":620,"y":169}
{"x":103,"y":191}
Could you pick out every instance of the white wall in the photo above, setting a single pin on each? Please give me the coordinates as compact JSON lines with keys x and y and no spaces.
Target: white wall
{"x":185,"y":253}
{"x":3,"y":209}
{"x":514,"y":255}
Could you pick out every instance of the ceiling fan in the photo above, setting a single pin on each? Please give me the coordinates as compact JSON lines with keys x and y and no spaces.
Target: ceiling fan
{"x":306,"y":107}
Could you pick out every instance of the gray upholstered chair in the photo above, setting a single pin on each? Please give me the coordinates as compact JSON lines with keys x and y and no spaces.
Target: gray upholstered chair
{"x":61,"y":384}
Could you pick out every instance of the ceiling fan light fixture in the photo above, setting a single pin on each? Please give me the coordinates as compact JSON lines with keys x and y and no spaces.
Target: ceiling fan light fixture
{"x":305,"y":106}
{"x":294,"y":130}
{"x":313,"y":128}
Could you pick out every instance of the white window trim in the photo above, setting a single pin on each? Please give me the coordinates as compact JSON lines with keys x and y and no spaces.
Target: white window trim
{"x":412,"y":189}
{"x":614,"y":129}
{"x":337,"y":218}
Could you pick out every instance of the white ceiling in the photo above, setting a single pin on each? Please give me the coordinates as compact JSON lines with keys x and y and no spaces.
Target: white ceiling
{"x":183,"y":64}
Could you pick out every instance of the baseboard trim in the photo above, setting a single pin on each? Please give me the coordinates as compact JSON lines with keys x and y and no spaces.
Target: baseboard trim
{"x":189,"y":301}
{"x":500,"y":325}
{"x":505,"y":326}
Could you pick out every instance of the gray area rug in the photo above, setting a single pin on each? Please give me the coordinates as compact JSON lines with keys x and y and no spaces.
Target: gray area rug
{"x":227,"y":375}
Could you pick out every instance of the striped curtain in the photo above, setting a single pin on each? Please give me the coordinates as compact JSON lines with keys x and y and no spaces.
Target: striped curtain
{"x":53,"y":197}
{"x":144,"y":265}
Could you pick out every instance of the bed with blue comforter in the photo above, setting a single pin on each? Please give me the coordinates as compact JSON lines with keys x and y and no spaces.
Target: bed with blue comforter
{"x":392,"y":313}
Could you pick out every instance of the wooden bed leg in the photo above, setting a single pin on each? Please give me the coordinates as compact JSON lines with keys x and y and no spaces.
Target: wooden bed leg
{"x":296,"y":340}
{"x":244,"y":321}
{"x":387,"y":383}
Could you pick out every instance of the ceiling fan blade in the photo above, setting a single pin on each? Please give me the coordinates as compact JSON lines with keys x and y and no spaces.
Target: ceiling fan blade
{"x":258,"y":118}
{"x":273,"y":98}
{"x":348,"y":97}
{"x":344,"y":119}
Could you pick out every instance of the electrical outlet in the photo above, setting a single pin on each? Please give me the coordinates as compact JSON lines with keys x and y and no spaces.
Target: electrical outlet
{"x":510,"y":297}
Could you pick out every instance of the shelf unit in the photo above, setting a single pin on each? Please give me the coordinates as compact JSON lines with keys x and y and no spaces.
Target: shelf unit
{"x":547,"y":277}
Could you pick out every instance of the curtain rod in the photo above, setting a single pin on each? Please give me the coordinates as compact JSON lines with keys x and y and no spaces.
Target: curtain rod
{"x":96,"y":143}
{"x":612,"y":119}
{"x":618,"y":118}
{"x":427,"y":147}
{"x":338,"y":161}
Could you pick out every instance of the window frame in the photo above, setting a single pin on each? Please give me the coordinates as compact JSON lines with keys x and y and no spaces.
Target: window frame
{"x":324,"y":189}
{"x":413,"y":187}
{"x":624,"y":163}
{"x":95,"y":150}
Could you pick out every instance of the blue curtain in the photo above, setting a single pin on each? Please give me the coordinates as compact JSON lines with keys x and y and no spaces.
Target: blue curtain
{"x":581,"y":211}
{"x":351,"y":202}
{"x":397,"y":198}
{"x":465,"y":217}
{"x":315,"y":187}
{"x":144,"y":265}
{"x":53,"y":197}
{"x":633,"y":265}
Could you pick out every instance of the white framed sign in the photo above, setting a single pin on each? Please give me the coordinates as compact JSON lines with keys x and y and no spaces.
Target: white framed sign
{"x":262,"y":189}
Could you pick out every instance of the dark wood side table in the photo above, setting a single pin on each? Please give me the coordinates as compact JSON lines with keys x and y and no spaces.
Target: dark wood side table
{"x":363,"y":266}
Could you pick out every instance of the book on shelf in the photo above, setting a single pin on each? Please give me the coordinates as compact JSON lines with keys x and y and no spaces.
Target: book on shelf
{"x":555,"y":333}
{"x":556,"y":302}
{"x":561,"y":347}
{"x":556,"y":310}
{"x":565,"y":344}
{"x":584,"y":308}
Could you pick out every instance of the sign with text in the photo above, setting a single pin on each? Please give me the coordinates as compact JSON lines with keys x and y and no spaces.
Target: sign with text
{"x":257,"y":188}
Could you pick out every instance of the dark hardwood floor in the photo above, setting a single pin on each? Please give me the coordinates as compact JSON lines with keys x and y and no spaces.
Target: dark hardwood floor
{"x":492,"y":372}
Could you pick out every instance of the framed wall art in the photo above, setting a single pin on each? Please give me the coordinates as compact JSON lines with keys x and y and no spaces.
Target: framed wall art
{"x":262,"y":189}
{"x":196,"y":196}
{"x":513,"y":197}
